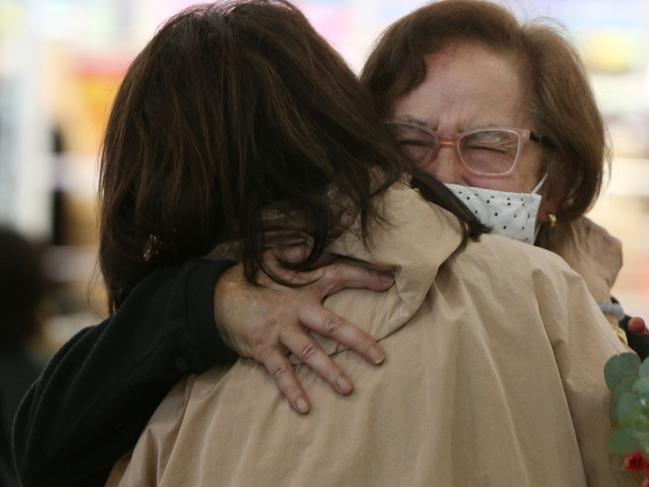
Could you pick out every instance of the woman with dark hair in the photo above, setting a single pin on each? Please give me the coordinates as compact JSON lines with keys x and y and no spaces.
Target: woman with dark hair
{"x":180,"y":180}
{"x":512,"y":104}
{"x":270,"y":139}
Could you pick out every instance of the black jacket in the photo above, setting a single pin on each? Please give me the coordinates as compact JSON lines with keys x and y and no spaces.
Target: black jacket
{"x":95,"y":396}
{"x":18,"y":370}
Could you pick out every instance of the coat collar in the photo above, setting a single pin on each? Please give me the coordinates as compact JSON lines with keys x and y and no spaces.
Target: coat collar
{"x":415,"y":239}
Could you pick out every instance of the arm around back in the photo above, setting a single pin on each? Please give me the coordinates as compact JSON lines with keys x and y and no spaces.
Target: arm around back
{"x":96,"y":395}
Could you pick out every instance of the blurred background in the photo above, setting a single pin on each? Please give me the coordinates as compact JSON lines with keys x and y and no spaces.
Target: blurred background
{"x":61,"y":62}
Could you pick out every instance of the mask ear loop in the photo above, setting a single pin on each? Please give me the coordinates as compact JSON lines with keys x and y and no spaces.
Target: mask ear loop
{"x":534,"y":191}
{"x":540,"y":183}
{"x":552,"y":217}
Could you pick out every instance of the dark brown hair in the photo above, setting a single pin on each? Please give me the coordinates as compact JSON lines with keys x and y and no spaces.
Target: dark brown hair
{"x":559,"y":98}
{"x":229,"y":109}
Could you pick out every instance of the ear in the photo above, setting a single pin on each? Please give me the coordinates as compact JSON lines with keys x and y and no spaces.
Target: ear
{"x":549,"y":204}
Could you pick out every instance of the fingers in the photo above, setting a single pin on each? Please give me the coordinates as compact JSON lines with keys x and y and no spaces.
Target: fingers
{"x":275,"y":257}
{"x":319,"y":319}
{"x":283,"y":374}
{"x":341,"y":275}
{"x":306,"y":349}
{"x":331,"y":272}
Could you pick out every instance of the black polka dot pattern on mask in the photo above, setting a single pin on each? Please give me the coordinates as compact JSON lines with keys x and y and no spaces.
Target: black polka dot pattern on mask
{"x":508,"y":214}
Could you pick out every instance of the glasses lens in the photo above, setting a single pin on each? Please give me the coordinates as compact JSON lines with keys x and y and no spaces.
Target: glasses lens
{"x":417,"y":143}
{"x":490,"y":151}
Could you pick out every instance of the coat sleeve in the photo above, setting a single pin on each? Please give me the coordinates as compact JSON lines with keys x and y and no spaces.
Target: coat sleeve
{"x":94,"y":398}
{"x":582,"y":341}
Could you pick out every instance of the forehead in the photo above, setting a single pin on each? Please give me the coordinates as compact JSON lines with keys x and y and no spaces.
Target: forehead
{"x":468,"y":86}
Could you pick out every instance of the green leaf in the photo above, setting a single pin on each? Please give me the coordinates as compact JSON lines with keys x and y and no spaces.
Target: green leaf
{"x":638,"y":422}
{"x":643,"y":371}
{"x":622,"y":442}
{"x":643,"y":442}
{"x":623,"y":386}
{"x":621,"y":366}
{"x":615,"y":398}
{"x":627,"y":404}
{"x":625,"y":383}
{"x":641,"y":386}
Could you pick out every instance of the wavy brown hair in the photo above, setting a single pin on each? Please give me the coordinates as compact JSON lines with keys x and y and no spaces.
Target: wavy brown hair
{"x":229,"y":109}
{"x":559,"y":98}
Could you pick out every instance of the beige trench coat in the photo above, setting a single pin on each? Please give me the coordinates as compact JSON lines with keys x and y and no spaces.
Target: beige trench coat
{"x":594,"y":254}
{"x":493,"y":377}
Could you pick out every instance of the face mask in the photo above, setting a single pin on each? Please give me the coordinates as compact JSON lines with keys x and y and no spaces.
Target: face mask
{"x":510,"y":214}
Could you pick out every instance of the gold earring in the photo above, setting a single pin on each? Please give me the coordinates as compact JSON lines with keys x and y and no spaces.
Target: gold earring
{"x":552,"y":220}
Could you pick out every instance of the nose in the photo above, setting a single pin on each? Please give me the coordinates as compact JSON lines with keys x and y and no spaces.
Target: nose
{"x":446,"y":166}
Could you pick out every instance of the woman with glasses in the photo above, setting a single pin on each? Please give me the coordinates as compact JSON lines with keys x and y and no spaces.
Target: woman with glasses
{"x":492,"y":377}
{"x":503,"y":113}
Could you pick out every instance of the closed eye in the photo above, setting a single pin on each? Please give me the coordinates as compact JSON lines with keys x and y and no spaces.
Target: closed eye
{"x":488,"y":148}
{"x":415,"y":142}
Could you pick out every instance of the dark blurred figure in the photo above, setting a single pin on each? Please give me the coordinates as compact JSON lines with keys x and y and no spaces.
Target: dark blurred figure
{"x":22,"y":289}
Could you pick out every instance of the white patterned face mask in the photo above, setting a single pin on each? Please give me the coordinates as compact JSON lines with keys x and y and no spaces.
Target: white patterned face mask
{"x":510,"y":214}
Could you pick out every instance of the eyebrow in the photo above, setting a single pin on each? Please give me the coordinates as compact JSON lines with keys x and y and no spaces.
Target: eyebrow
{"x":416,"y":121}
{"x":426,"y":125}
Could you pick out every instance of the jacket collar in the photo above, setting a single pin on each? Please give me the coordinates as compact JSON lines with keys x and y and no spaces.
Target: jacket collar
{"x":414,"y":239}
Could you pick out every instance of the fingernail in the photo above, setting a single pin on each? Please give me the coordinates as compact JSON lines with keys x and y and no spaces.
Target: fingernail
{"x":302,"y":406}
{"x":344,"y":385}
{"x":376,"y":355}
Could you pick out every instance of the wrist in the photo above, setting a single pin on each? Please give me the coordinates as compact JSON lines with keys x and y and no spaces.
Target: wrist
{"x":206,"y":347}
{"x":226,"y":292}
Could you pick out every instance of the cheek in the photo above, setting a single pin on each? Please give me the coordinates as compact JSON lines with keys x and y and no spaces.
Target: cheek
{"x":498,"y":184}
{"x":521,"y":182}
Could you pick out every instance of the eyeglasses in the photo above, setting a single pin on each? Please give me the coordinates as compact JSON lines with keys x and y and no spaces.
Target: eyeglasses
{"x":485,"y":152}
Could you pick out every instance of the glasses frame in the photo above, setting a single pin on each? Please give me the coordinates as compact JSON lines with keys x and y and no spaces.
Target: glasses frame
{"x":523,"y":136}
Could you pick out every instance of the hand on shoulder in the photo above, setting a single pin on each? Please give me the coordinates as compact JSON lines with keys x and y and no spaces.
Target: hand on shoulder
{"x":266,"y":323}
